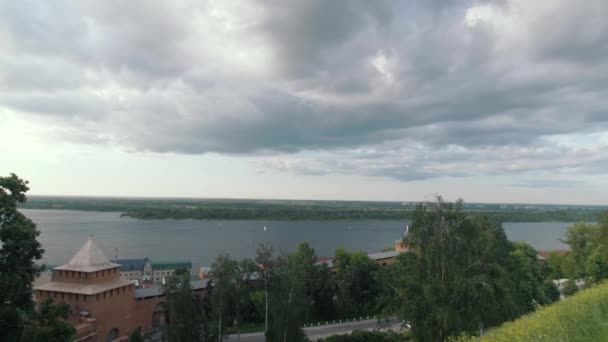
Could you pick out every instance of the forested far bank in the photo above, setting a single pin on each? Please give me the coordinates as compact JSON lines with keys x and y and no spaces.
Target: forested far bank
{"x":350,"y":214}
{"x":245,"y":209}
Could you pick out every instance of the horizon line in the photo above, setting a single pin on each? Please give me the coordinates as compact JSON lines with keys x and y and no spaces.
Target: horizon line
{"x":302,"y":200}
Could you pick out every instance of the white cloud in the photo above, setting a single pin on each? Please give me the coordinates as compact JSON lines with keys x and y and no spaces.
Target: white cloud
{"x":343,"y":87}
{"x":480,"y":14}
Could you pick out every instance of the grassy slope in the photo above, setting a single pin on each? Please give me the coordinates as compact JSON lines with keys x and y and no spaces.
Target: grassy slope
{"x":582,"y":317}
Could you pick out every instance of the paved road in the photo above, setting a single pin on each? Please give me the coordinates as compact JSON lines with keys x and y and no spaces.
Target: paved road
{"x":317,"y":332}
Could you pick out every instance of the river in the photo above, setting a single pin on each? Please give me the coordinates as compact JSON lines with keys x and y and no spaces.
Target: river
{"x":64,"y":231}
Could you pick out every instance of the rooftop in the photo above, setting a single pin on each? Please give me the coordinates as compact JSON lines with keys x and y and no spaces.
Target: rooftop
{"x":155,"y":291}
{"x":542,"y":255}
{"x":90,"y":258}
{"x":85,"y":289}
{"x":385,"y":255}
{"x":329,"y":261}
{"x":131,"y":264}
{"x":171,"y":264}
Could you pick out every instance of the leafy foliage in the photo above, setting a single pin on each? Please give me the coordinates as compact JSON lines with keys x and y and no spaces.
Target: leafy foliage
{"x":551,"y":291}
{"x":19,"y":250}
{"x":588,"y":255}
{"x":358,"y":286}
{"x":185,"y":310}
{"x":48,"y":324}
{"x":289,"y":300}
{"x":136,"y":336}
{"x":224,"y":271}
{"x":569,"y":288}
{"x":463,"y":274}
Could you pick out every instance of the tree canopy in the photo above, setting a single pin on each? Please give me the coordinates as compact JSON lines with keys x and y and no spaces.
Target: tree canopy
{"x":19,"y":251}
{"x":462,"y":275}
{"x":185,"y":310}
{"x":588,"y":252}
{"x":48,"y":324}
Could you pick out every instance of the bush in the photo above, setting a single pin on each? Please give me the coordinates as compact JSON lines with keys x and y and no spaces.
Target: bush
{"x":136,"y":336}
{"x":551,"y":291}
{"x":581,"y":317}
{"x":569,"y":288}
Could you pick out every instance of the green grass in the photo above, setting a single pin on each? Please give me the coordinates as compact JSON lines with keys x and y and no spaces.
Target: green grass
{"x":601,"y":334}
{"x":580,"y":318}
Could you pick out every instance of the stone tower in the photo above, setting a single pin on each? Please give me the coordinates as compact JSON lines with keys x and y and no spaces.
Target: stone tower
{"x":102,"y":303}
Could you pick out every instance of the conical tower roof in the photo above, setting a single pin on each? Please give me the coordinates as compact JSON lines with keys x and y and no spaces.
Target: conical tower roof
{"x":89,"y":258}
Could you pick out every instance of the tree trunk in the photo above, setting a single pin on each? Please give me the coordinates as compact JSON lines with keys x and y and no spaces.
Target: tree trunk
{"x":289,"y":301}
{"x":266,"y":315}
{"x":238,"y":321}
{"x":219,"y":324}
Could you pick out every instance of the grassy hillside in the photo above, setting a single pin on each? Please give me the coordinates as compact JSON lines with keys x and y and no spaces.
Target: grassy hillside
{"x":582,"y":317}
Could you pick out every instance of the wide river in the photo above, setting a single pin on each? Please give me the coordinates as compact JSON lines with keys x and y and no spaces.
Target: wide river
{"x":63,"y":232}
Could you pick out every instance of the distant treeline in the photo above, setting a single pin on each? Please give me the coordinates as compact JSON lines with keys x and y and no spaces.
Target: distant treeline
{"x":243,"y":209}
{"x":271,"y":213}
{"x":347,"y":214}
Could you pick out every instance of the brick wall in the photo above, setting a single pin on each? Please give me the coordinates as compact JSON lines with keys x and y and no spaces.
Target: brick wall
{"x":111,"y":309}
{"x":117,"y":308}
{"x":65,"y":276}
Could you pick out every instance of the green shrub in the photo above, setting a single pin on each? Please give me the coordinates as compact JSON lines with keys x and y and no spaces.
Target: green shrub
{"x":551,"y":291}
{"x":569,"y":288}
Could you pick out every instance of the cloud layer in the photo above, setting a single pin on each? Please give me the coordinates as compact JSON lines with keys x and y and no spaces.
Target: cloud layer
{"x":377,"y":88}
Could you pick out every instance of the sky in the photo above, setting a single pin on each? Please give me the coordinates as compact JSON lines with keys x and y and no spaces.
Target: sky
{"x":489,"y":101}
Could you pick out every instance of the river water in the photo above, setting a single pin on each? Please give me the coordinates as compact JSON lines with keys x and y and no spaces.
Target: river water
{"x":64,"y":231}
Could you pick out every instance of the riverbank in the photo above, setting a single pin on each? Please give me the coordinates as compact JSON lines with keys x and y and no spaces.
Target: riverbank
{"x":300,"y":210}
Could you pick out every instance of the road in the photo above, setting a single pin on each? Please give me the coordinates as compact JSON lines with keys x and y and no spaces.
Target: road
{"x":317,"y":332}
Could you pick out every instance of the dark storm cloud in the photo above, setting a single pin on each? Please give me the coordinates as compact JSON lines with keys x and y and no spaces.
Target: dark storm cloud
{"x":309,"y":35}
{"x":434,"y":88}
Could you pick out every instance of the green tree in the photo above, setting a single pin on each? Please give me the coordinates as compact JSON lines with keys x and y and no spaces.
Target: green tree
{"x":136,"y":336}
{"x":596,"y":264}
{"x":582,"y":238}
{"x":289,"y":284}
{"x":48,"y":324}
{"x":256,"y":304}
{"x":602,"y":224}
{"x":265,"y":260}
{"x":289,"y":303}
{"x":569,"y":288}
{"x":223,"y":272}
{"x":526,"y":275}
{"x":555,"y":268}
{"x":356,"y":282}
{"x":456,"y":279}
{"x":184,"y":309}
{"x":597,"y":261}
{"x":322,"y":290}
{"x":244,"y":271}
{"x":551,"y":291}
{"x":19,"y":250}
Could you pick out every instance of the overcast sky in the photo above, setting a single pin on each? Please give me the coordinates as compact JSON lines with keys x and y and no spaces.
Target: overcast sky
{"x":493,"y":101}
